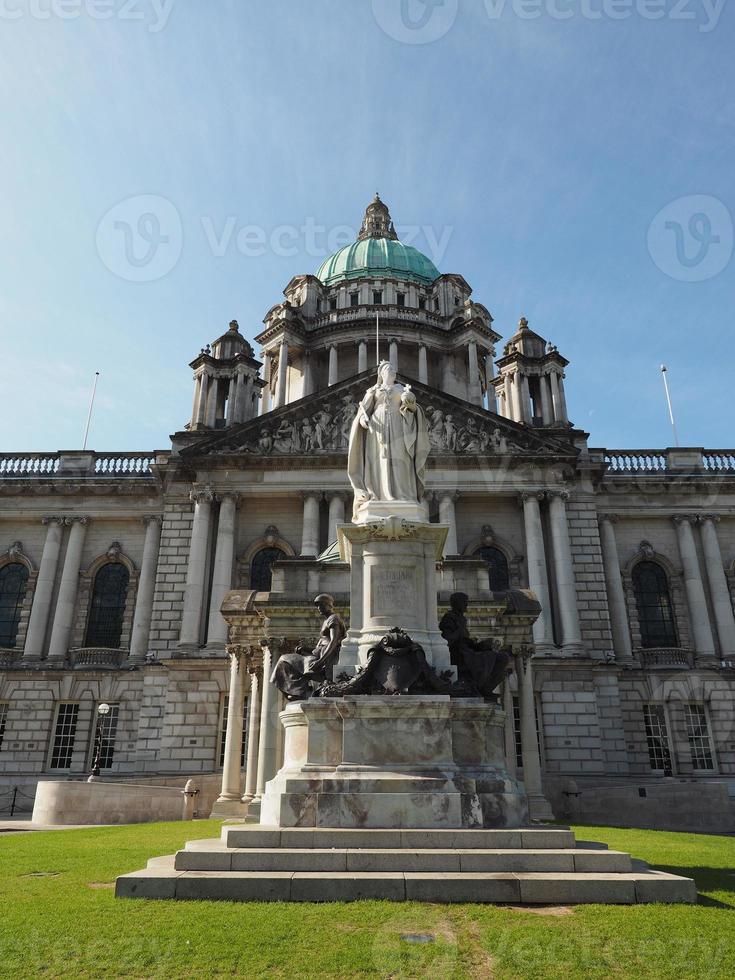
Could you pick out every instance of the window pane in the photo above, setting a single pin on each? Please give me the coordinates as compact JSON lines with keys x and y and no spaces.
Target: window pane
{"x":223,"y":732}
{"x":698,"y":735}
{"x":261,"y":569}
{"x":108,"y":732}
{"x":3,"y":720}
{"x":64,"y":734}
{"x":655,"y":612}
{"x":107,"y":608}
{"x":498,"y":568}
{"x":657,"y":737}
{"x":13,"y":583}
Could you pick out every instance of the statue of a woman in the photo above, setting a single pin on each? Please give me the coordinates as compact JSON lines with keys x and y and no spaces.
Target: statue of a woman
{"x":389,"y":444}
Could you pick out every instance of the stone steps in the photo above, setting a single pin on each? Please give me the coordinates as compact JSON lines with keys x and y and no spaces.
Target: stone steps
{"x":527,"y":866}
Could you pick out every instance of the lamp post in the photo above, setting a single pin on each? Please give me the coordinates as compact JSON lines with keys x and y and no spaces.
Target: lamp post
{"x":103,"y":711}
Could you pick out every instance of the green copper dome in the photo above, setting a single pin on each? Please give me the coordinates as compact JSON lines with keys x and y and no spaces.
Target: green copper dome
{"x":377,"y":252}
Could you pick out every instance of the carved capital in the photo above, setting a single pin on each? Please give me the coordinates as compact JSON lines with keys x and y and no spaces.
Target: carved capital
{"x":202,"y":495}
{"x":152,"y":519}
{"x":712,"y":518}
{"x":607,"y":518}
{"x":561,"y":494}
{"x":54,"y":520}
{"x":83,"y":520}
{"x":530,"y":495}
{"x":681,"y":519}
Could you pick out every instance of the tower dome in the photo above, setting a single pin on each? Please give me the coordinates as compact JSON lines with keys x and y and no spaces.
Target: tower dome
{"x":377,"y":252}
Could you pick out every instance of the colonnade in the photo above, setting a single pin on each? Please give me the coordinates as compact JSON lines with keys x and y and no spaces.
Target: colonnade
{"x":61,"y":615}
{"x":694,"y":587}
{"x":209,"y":394}
{"x":515,"y":398}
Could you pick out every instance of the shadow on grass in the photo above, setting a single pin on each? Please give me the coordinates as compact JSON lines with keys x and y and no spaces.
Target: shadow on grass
{"x":706,"y":880}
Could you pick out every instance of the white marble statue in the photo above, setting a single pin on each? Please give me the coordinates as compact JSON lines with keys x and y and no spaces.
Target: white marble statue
{"x":389,"y":445}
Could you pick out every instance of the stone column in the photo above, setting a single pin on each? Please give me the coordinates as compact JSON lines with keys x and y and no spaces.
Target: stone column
{"x":191,"y":617}
{"x":447,"y":515}
{"x":615,"y":593}
{"x":237,"y":409}
{"x":718,"y":590}
{"x":474,"y":389}
{"x":508,"y":400}
{"x":509,"y":728}
{"x":268,"y":723}
{"x":517,"y":399}
{"x":265,"y":402}
{"x":547,"y":410}
{"x":566,"y":589}
{"x":308,"y":363}
{"x":704,"y":644}
{"x":310,"y":531}
{"x":543,"y":635}
{"x":558,"y":401}
{"x":336,"y":515}
{"x":231,"y":770}
{"x":538,"y":806}
{"x":563,"y":399}
{"x":282,"y":374}
{"x":333,"y":365}
{"x":41,"y":608}
{"x":423,"y":365}
{"x":362,"y":354}
{"x":255,"y":669}
{"x":224,"y":554}
{"x":492,"y":401}
{"x":146,"y":588}
{"x":202,"y":401}
{"x":393,"y":353}
{"x":526,"y":407}
{"x":195,"y":405}
{"x":210,"y":416}
{"x":67,"y":598}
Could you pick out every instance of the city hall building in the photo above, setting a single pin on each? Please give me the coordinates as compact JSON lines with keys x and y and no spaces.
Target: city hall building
{"x":113,"y":566}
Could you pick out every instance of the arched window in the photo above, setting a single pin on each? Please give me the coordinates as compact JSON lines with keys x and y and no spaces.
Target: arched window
{"x":261,"y":568}
{"x":498,"y":568}
{"x":653,"y":599}
{"x":107,"y":608}
{"x":13,"y":582}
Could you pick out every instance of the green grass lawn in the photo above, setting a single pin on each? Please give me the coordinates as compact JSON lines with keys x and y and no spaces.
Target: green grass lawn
{"x":59,"y":918}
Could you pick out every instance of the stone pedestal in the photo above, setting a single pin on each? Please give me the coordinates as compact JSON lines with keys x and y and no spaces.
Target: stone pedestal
{"x":392,"y":583}
{"x":393,"y":762}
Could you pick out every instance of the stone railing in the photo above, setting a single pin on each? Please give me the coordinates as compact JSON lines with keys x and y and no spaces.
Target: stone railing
{"x":632,"y":461}
{"x":28,"y":464}
{"x":636,"y":460}
{"x":97,"y":657}
{"x":665,"y":657}
{"x":75,"y":464}
{"x":407,"y":314}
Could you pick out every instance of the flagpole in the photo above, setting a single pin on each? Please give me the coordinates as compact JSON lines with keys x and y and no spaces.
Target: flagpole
{"x":377,"y":338}
{"x":668,"y":402}
{"x":91,"y":406}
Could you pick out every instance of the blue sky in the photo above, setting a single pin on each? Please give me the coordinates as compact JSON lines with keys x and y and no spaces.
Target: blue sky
{"x":538,"y":151}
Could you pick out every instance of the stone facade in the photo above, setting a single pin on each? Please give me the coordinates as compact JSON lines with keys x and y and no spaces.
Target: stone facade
{"x":258,"y":474}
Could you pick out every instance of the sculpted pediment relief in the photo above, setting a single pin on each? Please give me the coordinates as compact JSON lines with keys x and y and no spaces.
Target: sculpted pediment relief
{"x":320,"y":425}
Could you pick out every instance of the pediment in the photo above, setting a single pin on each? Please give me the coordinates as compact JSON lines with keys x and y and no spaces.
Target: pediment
{"x":319,"y":425}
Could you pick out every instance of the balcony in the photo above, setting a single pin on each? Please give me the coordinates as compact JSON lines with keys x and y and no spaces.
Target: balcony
{"x":85,"y":658}
{"x":668,"y":657}
{"x":63,"y":465}
{"x":667,"y":461}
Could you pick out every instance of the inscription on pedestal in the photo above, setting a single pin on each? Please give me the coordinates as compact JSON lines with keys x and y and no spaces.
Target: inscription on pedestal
{"x":394,"y":592}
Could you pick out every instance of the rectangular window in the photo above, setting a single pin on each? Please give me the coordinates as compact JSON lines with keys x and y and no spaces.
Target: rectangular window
{"x":422,"y":303}
{"x":3,"y":720}
{"x":517,"y":730}
{"x":108,"y":733}
{"x":700,"y":743}
{"x":401,"y":299}
{"x":436,"y":304}
{"x":65,"y":731}
{"x":377,"y":297}
{"x":223,"y":731}
{"x":354,"y":299}
{"x":333,"y":304}
{"x":657,"y":737}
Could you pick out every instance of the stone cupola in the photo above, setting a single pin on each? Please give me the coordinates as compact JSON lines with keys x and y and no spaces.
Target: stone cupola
{"x":377,"y":222}
{"x":226,"y":382}
{"x":530,"y":384}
